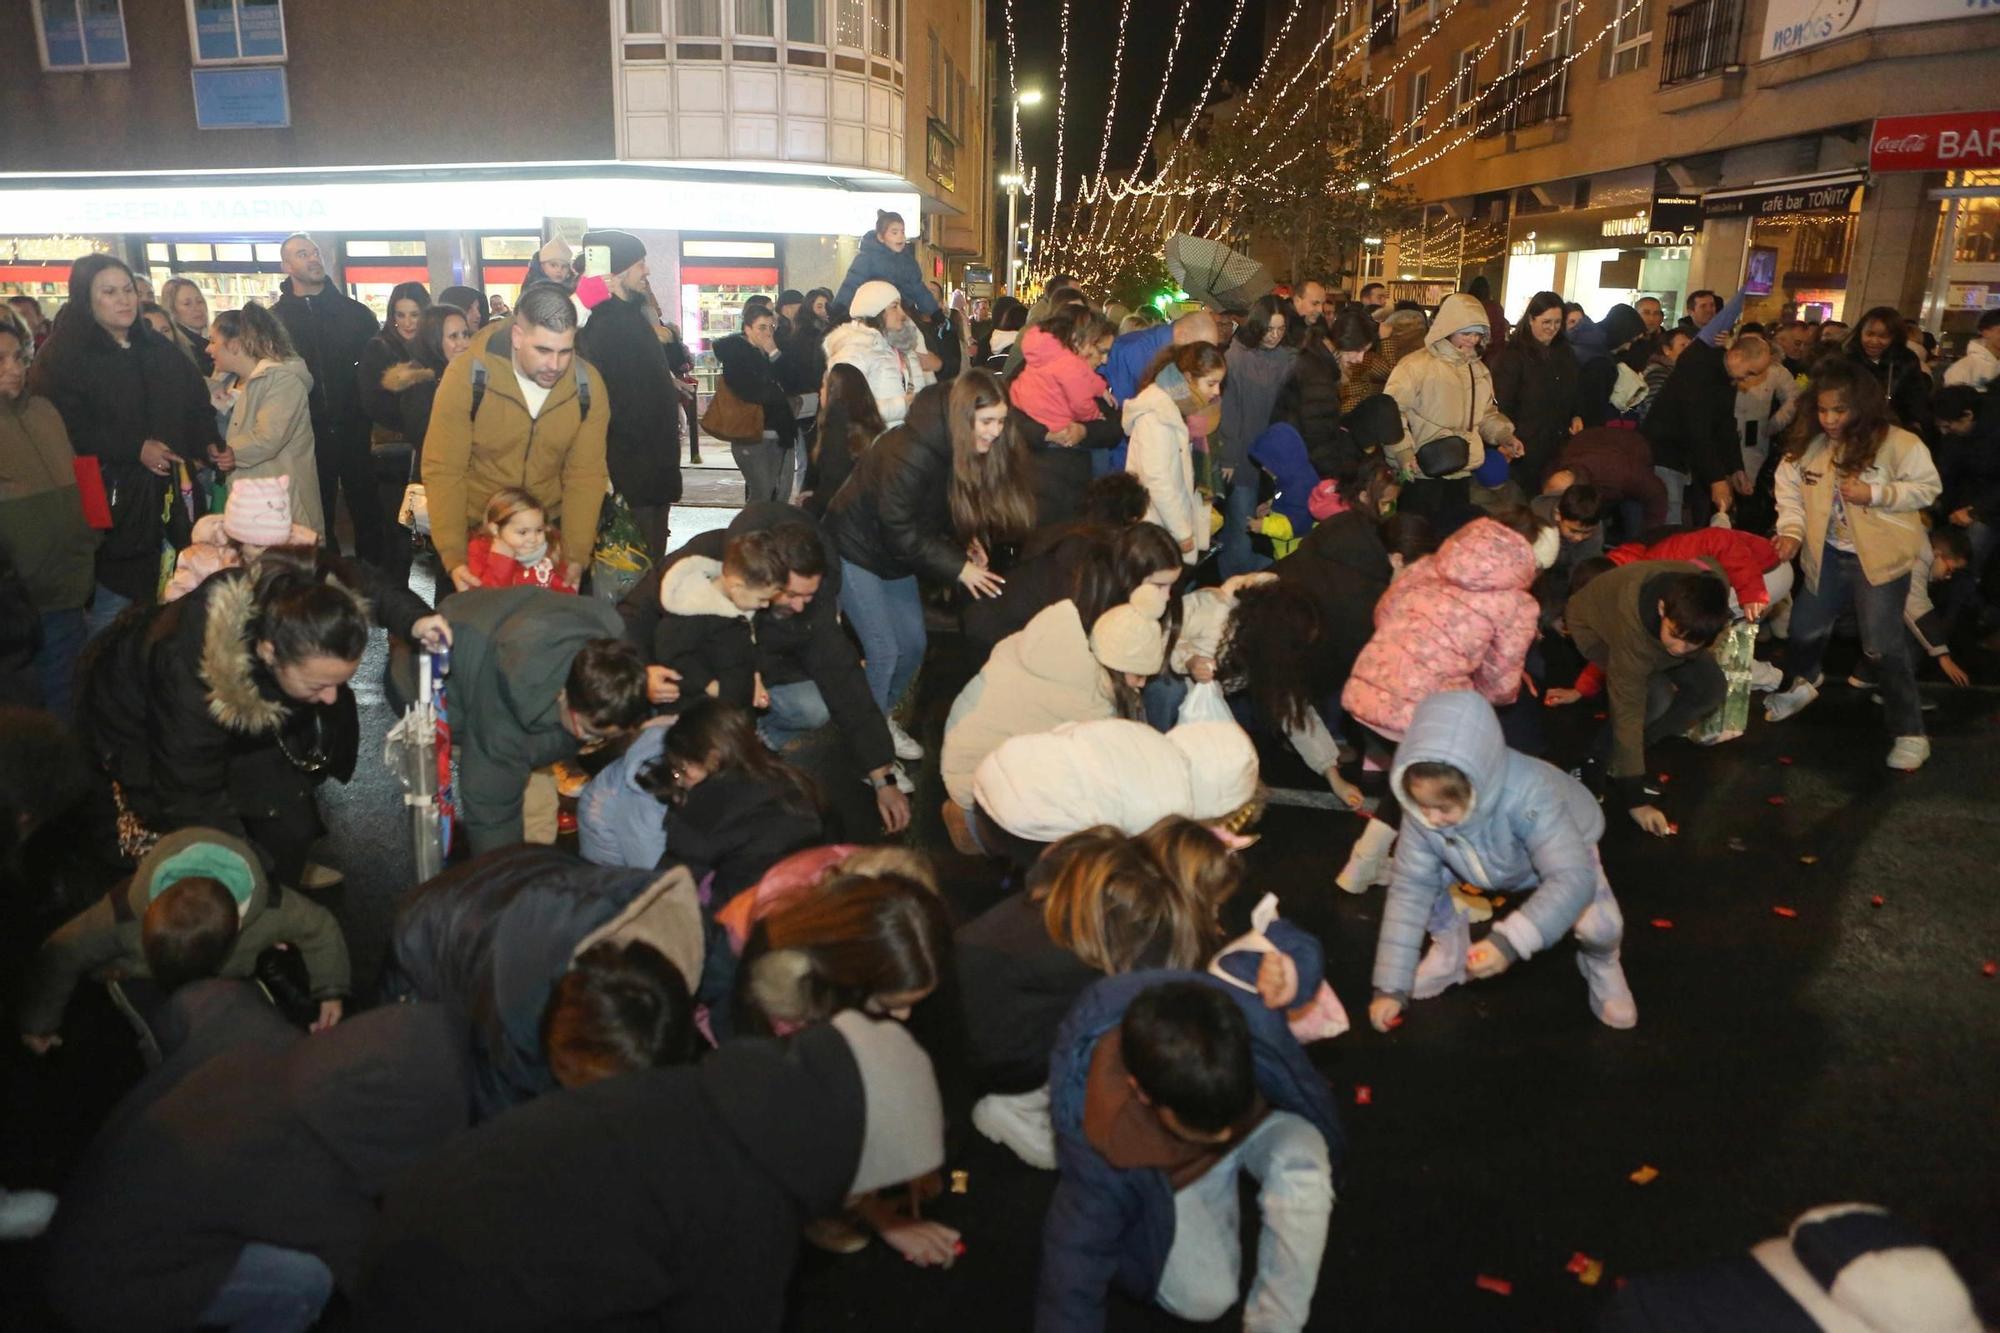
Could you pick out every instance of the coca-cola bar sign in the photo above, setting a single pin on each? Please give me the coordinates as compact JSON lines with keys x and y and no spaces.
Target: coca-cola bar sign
{"x":1949,"y":141}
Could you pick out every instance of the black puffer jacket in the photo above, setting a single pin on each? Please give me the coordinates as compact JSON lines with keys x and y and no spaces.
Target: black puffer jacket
{"x":1540,"y":391}
{"x":491,"y":937}
{"x":1343,"y":566}
{"x":329,"y":331}
{"x":1310,"y":400}
{"x":1904,"y":381}
{"x":802,"y":357}
{"x":1062,"y":474}
{"x":112,"y":400}
{"x":642,"y":444}
{"x":893,"y":517}
{"x":736,"y":827}
{"x":1044,"y":575}
{"x":1021,"y":984}
{"x":1599,"y":363}
{"x":754,"y":377}
{"x":1692,"y":426}
{"x":378,"y":399}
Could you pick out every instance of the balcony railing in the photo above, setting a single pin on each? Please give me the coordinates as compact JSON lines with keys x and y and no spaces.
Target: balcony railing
{"x":1703,"y":37}
{"x":1530,"y":95}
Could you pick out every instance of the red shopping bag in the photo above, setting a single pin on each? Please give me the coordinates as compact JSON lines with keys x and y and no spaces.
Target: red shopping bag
{"x":90,"y":485}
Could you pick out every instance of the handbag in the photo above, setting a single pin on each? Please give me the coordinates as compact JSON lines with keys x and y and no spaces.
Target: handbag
{"x":620,"y":558}
{"x":731,"y":418}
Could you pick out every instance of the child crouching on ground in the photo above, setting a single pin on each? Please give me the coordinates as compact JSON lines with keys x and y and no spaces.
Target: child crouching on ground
{"x":1502,"y":822}
{"x":517,"y":546}
{"x":1164,"y":1085}
{"x":257,"y":516}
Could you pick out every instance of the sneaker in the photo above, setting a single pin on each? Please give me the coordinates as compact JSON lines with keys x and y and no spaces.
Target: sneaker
{"x":318,"y":878}
{"x":906,"y":744}
{"x":1786,"y":703}
{"x":1718,"y":738}
{"x":1610,"y":997}
{"x":1021,"y":1125}
{"x":1443,"y":964}
{"x":25,"y":1214}
{"x":901,"y":777}
{"x":1765,"y":676}
{"x":1909,"y":752}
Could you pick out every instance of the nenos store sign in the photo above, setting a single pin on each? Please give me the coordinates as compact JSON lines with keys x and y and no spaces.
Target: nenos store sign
{"x":1791,"y":26}
{"x":1951,"y":141}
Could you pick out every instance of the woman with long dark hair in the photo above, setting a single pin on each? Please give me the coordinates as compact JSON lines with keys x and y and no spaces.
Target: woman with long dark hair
{"x":444,"y":332}
{"x":1880,"y":344}
{"x":390,"y":347}
{"x":848,"y":423}
{"x":132,"y":401}
{"x":935,"y":499}
{"x":1535,"y":382}
{"x":734,"y":809}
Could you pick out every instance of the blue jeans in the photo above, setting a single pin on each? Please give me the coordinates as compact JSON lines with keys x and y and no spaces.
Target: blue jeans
{"x":1201,"y":1280}
{"x":103,"y":609}
{"x":888,"y":617}
{"x":797,"y":710}
{"x":63,"y":634}
{"x":1234,"y":555}
{"x":271,"y":1290}
{"x":1879,"y":608}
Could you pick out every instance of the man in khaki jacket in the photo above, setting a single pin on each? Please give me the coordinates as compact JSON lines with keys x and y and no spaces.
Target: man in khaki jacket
{"x":519,"y":409}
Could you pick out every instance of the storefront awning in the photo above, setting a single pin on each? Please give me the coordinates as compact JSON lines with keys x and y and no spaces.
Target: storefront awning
{"x":446,"y":198}
{"x":1811,"y":194}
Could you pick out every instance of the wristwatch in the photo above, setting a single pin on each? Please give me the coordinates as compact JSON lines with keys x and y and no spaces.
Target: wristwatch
{"x":878,"y":784}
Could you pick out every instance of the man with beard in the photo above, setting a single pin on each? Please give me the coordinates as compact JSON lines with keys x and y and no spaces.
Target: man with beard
{"x":643,"y":445}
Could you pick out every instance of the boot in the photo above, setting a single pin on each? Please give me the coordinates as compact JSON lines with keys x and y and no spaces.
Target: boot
{"x":1368,"y":864}
{"x":1610,"y":997}
{"x":1443,"y":964}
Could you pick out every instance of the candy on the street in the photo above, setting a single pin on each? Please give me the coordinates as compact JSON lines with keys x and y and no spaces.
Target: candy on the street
{"x":1992,"y":969}
{"x":1738,"y":845}
{"x":1645,"y":1175}
{"x":1578,"y":1262}
{"x":1593,"y":1274}
{"x":1662,"y":923}
{"x":1785,"y":759}
{"x":1774,"y":800}
{"x":960,"y":1180}
{"x":1808,"y":860}
{"x":1364,"y":1095}
{"x":1785,"y":911}
{"x":1876,"y":901}
{"x":1499,"y":1286}
{"x":958,"y":1249}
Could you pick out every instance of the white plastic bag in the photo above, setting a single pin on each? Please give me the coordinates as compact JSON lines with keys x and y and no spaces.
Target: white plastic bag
{"x":1205,"y":703}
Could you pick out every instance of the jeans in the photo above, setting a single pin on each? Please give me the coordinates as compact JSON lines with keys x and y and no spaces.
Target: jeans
{"x":63,"y":634}
{"x":1234,"y":555}
{"x":1676,"y":699}
{"x":802,"y":453}
{"x":103,"y":609}
{"x":1676,"y":484}
{"x":888,"y":618}
{"x":1879,"y":608}
{"x":271,"y":1290}
{"x":797,"y":710}
{"x":766,"y":467}
{"x":1288,"y":1158}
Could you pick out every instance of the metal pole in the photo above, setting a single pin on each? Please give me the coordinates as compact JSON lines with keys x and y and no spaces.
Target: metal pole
{"x":1013,"y":194}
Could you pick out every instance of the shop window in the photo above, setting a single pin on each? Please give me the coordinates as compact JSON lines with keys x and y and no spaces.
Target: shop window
{"x":756,"y":18}
{"x":235,"y":253}
{"x":156,"y":252}
{"x":698,"y":18}
{"x":805,"y":21}
{"x":188,"y":252}
{"x":81,"y":34}
{"x":1632,"y":39}
{"x":231,"y":32}
{"x":270,"y":252}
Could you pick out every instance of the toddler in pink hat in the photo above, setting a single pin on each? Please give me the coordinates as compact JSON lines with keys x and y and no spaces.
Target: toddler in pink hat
{"x":258,"y":515}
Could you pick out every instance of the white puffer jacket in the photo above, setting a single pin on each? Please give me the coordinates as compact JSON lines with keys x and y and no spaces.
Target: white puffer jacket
{"x":1116,"y":772}
{"x":856,"y":344}
{"x":1160,"y":456}
{"x":1445,"y":392}
{"x":1036,"y":680}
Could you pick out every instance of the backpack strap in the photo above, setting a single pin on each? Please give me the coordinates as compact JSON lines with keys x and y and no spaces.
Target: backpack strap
{"x":479,"y":373}
{"x":583,"y":389}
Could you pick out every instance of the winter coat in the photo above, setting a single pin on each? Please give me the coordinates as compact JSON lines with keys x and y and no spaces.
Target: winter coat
{"x":1281,"y":451}
{"x":1343,"y":566}
{"x":1311,"y":400}
{"x":1110,"y":1227}
{"x":210,"y":551}
{"x":1537,"y":387}
{"x":558,"y":457}
{"x":270,"y":432}
{"x":1063,"y":473}
{"x":1887,"y":533}
{"x":378,"y":400}
{"x":511,"y":654}
{"x":1444,"y":392}
{"x":1017,"y":985}
{"x":251,"y":1131}
{"x":642,"y":433}
{"x":703,"y":635}
{"x":1620,"y":464}
{"x":1364,"y":379}
{"x":43,"y":533}
{"x":1970,"y":466}
{"x":620,"y":821}
{"x":491,"y":937}
{"x":660,"y":1199}
{"x":1977,"y":369}
{"x":1035,"y":681}
{"x":1743,"y":557}
{"x":1161,"y":456}
{"x":1593,"y":342}
{"x":498,"y":568}
{"x":735,"y":827}
{"x":1043,"y":786}
{"x":1905,"y":383}
{"x":1132,"y":355}
{"x":1044,"y":574}
{"x":414,"y":388}
{"x":112,"y":400}
{"x":802,"y":357}
{"x":1614,"y":622}
{"x":753,"y":376}
{"x":329,"y":332}
{"x":1461,"y":619}
{"x":909,"y":345}
{"x":810,"y":646}
{"x":105,"y":937}
{"x":874,"y":261}
{"x":1056,"y":387}
{"x":1530,"y":828}
{"x":1692,"y":422}
{"x":192,"y":725}
{"x":1249,"y":400}
{"x":858,"y":345}
{"x":893,"y":515}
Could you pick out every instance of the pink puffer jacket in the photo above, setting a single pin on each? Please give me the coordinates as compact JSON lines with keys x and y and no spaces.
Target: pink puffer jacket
{"x":1461,"y":619}
{"x":1056,"y":387}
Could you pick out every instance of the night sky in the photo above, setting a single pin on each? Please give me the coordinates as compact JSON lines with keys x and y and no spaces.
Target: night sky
{"x":1093,"y":38}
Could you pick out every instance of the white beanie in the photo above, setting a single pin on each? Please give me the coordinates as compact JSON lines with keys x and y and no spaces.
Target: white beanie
{"x":1129,"y":637}
{"x":1222,"y":767}
{"x":872,"y":298}
{"x":902,"y":1134}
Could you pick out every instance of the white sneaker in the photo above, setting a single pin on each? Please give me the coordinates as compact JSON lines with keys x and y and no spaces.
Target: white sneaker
{"x":906,"y":744}
{"x":1909,"y":752}
{"x":1443,"y":964}
{"x":1610,"y":997}
{"x":1021,"y":1124}
{"x":1765,"y":676}
{"x":318,"y":878}
{"x":1369,"y":863}
{"x":1786,"y":703}
{"x":25,"y":1214}
{"x":901,"y":778}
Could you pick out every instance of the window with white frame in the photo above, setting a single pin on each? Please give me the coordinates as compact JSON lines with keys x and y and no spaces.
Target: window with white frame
{"x":805,"y":21}
{"x":1517,"y":49}
{"x":643,"y":18}
{"x":81,"y":34}
{"x":232,"y":32}
{"x":850,"y":23}
{"x":1385,"y":105}
{"x":1632,"y":39}
{"x":1420,"y":93}
{"x":1465,"y":87}
{"x":698,"y":18}
{"x":756,"y":18}
{"x":878,"y":27}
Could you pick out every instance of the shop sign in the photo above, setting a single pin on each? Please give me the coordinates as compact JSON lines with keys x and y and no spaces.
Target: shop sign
{"x":252,"y":97}
{"x":978,"y":282}
{"x":1673,"y":220}
{"x":1828,"y":197}
{"x":1951,"y":141}
{"x":1791,"y":26}
{"x":1614,"y":227}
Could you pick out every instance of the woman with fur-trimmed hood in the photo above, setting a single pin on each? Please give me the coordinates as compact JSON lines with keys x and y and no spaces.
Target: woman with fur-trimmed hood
{"x":228,"y":707}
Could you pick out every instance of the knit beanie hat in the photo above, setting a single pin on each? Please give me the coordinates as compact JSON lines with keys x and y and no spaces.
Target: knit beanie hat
{"x":259,"y":511}
{"x":1129,"y":637}
{"x":626,"y":249}
{"x":902,"y":1134}
{"x":872,"y":298}
{"x":557,"y":251}
{"x":1324,"y":501}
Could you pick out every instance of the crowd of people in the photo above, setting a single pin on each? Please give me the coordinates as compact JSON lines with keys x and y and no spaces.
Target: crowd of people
{"x":622,"y":1084}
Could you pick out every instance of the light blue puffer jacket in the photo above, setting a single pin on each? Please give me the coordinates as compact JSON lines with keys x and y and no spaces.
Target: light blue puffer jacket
{"x":1531,"y":826}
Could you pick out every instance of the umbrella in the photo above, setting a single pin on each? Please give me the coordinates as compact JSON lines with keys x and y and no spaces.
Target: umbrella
{"x":418,"y":751}
{"x":1215,"y":275}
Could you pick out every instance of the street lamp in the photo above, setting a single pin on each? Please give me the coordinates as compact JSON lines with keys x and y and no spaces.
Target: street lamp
{"x":1013,"y":180}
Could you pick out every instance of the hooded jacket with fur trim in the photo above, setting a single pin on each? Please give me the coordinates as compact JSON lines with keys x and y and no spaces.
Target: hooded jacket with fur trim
{"x":1445,"y":392}
{"x":1461,"y":619}
{"x":705,"y":636}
